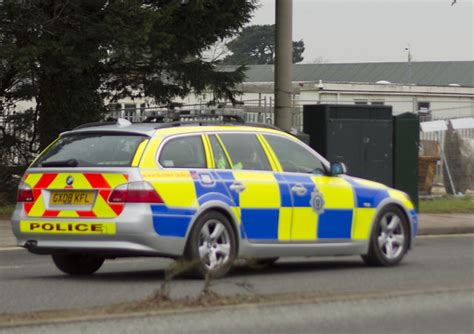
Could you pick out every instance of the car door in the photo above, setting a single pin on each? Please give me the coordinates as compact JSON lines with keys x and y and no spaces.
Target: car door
{"x":251,"y":180}
{"x":323,"y":206}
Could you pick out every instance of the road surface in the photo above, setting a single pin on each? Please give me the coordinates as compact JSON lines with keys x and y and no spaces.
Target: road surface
{"x":31,"y":283}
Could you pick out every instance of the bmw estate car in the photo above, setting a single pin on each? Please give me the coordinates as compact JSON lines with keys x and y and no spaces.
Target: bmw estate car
{"x":207,"y":193}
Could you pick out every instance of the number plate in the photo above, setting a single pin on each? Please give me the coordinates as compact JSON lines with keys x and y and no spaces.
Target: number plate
{"x":71,"y":197}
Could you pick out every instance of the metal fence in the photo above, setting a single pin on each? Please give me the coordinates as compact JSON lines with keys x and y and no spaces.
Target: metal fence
{"x":454,"y":171}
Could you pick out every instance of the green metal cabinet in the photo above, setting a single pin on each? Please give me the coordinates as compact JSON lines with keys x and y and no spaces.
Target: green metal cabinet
{"x":406,"y":140}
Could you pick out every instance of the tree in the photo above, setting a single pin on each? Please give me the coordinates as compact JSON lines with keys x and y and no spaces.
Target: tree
{"x":256,"y":45}
{"x":71,"y":55}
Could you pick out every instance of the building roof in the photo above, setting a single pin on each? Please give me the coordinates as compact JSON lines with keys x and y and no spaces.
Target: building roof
{"x":430,"y":73}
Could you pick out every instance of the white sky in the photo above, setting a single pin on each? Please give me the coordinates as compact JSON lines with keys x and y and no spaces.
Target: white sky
{"x":379,"y":30}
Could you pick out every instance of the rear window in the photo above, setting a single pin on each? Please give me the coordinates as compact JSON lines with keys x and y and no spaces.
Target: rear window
{"x":91,"y":150}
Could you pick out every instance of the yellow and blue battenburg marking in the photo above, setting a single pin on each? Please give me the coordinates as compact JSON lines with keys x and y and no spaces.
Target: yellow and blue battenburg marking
{"x":320,"y":207}
{"x":173,"y":218}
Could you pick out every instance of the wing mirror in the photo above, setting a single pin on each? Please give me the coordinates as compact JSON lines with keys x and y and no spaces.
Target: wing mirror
{"x":338,"y":168}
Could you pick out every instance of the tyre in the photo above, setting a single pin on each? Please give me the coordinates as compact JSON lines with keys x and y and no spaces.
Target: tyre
{"x":77,"y":264}
{"x":390,"y":238}
{"x":212,"y":246}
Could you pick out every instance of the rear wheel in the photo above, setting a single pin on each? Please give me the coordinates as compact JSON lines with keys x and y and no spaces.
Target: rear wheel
{"x":212,"y":245}
{"x":389,"y":239}
{"x":77,"y":264}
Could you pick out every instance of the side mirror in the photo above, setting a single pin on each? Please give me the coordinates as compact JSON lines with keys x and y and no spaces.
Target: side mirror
{"x":338,"y":168}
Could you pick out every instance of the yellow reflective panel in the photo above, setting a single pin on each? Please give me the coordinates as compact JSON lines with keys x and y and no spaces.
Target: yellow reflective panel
{"x":362,"y":225}
{"x":55,"y":227}
{"x":400,"y":196}
{"x":32,"y":179}
{"x":304,"y":224}
{"x":270,"y":154}
{"x":208,"y":151}
{"x":261,"y":189}
{"x":38,"y":207}
{"x":102,"y":209}
{"x":139,"y":153}
{"x":80,"y":182}
{"x":68,"y":214}
{"x":176,"y":187}
{"x":115,"y":180}
{"x":284,"y":224}
{"x":236,"y":211}
{"x":337,"y":192}
{"x":149,"y":156}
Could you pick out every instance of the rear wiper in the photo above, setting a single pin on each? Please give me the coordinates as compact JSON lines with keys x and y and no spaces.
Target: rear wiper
{"x":61,"y":163}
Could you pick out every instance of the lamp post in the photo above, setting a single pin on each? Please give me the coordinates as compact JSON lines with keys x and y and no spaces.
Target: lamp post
{"x":408,"y":49}
{"x":283,"y":63}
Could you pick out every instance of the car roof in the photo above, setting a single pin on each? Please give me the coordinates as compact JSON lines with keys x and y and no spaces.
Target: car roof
{"x":150,"y":129}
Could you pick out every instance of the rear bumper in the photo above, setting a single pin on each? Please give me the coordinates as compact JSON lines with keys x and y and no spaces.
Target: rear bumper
{"x":134,"y":236}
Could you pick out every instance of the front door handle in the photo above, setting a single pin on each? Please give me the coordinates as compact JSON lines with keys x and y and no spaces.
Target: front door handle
{"x":299,"y":189}
{"x":237,"y":187}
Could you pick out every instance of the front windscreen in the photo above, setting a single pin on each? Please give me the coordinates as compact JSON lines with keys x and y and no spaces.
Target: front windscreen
{"x":91,"y":150}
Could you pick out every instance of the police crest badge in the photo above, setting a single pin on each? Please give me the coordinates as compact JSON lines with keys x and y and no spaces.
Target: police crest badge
{"x":317,"y":202}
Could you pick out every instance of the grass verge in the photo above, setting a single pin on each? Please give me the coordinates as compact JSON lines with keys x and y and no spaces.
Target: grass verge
{"x":463,"y":204}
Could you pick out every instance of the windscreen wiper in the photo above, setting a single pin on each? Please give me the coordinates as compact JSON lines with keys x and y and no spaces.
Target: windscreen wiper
{"x":61,"y":163}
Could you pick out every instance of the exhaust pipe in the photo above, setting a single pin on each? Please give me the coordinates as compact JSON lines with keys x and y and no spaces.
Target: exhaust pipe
{"x":31,"y":245}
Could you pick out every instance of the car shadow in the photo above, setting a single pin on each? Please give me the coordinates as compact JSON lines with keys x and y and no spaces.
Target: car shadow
{"x":241,"y":269}
{"x":290,"y":267}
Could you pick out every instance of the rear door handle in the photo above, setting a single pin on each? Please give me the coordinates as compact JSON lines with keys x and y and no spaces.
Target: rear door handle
{"x":299,"y":189}
{"x":237,"y":187}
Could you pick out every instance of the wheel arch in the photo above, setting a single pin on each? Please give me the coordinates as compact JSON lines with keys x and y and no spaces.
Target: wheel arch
{"x":398,"y":204}
{"x":223,"y":209}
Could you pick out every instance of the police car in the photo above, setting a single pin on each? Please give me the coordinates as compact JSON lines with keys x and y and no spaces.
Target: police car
{"x":209,"y":193}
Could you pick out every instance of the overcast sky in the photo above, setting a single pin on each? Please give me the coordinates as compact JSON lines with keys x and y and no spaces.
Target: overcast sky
{"x":379,"y":30}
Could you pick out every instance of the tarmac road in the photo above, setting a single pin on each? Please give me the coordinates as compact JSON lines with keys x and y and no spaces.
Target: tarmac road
{"x":31,"y":282}
{"x":422,"y":313}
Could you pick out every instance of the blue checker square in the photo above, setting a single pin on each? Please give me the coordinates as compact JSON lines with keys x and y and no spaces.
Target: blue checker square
{"x":171,"y":226}
{"x":260,"y":223}
{"x":335,"y":224}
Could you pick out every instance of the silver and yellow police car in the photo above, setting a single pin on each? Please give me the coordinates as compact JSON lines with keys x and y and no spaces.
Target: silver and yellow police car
{"x":205,"y":192}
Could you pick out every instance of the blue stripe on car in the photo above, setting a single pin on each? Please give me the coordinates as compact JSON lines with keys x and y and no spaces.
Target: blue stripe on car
{"x":335,"y":224}
{"x":367,"y":197}
{"x":301,"y":200}
{"x":285,"y":195}
{"x":171,"y":222}
{"x":260,"y":224}
{"x":414,"y":219}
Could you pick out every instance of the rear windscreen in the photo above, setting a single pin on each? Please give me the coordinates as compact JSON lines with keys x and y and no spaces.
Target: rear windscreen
{"x":91,"y":150}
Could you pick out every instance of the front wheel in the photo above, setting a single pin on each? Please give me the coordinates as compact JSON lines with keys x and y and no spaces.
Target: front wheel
{"x":77,"y":264}
{"x":390,"y":238}
{"x":212,"y":245}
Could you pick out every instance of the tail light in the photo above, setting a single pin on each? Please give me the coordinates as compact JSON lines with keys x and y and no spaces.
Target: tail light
{"x":135,"y":192}
{"x":25,"y":193}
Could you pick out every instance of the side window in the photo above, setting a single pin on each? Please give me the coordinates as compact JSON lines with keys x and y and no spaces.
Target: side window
{"x":245,"y":151}
{"x":294,"y":157}
{"x":183,"y":152}
{"x":219,"y":156}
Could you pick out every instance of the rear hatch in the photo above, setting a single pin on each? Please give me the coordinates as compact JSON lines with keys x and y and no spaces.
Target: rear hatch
{"x":75,"y":176}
